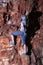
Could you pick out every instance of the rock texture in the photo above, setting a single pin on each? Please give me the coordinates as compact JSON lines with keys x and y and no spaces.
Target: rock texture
{"x":37,"y":44}
{"x":9,"y":55}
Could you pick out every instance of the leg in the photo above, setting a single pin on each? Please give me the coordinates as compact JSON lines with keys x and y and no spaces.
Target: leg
{"x":12,"y":40}
{"x":24,"y":44}
{"x":20,"y":33}
{"x":23,"y":38}
{"x":15,"y":34}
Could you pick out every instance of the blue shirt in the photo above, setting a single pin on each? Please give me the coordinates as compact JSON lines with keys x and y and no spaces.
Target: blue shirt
{"x":23,"y":22}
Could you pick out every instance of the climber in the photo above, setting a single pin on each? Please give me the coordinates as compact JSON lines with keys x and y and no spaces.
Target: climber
{"x":21,"y":32}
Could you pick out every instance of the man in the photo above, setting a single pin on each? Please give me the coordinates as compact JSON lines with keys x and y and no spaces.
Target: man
{"x":22,"y":32}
